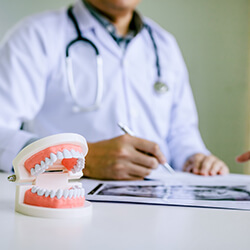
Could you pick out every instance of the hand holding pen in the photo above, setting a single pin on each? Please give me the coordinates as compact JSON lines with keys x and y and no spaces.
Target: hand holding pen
{"x":126,"y":130}
{"x":122,"y":158}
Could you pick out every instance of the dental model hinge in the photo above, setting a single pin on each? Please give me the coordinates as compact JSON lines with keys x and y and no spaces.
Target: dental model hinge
{"x":12,"y":178}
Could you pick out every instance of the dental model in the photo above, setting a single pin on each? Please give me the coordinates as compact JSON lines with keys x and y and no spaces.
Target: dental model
{"x":49,"y":166}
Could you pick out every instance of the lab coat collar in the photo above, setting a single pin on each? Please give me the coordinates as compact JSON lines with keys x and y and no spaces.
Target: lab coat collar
{"x":87,"y":23}
{"x":83,"y":16}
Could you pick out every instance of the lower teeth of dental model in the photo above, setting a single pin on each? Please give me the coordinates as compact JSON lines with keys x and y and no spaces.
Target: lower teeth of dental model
{"x":75,"y":192}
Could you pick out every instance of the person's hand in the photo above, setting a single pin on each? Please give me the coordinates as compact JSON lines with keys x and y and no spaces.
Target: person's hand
{"x":244,"y":157}
{"x":201,"y":164}
{"x":122,"y":158}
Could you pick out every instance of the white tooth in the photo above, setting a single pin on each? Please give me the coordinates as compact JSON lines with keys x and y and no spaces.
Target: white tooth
{"x":41,"y":171}
{"x":41,"y":168}
{"x":67,"y":154}
{"x":59,"y":155}
{"x":73,"y":152}
{"x":81,"y":154}
{"x":59,"y":193}
{"x":71,"y":191}
{"x":37,"y":167}
{"x":53,"y":158}
{"x":79,"y":192}
{"x":66,"y":193}
{"x":47,"y":192}
{"x":82,"y":192}
{"x":52,"y":193}
{"x":40,"y":191}
{"x":34,"y":189}
{"x":75,"y":193}
{"x":32,"y":171}
{"x":80,"y":162}
{"x":79,"y":166}
{"x":77,"y":154}
{"x":48,"y":161}
{"x":76,"y":169}
{"x":42,"y":164}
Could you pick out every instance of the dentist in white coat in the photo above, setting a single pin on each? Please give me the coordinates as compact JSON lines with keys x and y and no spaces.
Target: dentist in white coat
{"x":36,"y":92}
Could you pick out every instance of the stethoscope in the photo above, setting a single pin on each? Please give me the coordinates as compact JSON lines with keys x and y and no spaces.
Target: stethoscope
{"x":159,"y":87}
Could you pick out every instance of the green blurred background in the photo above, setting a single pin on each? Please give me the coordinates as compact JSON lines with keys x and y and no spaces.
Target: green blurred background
{"x":214,"y":38}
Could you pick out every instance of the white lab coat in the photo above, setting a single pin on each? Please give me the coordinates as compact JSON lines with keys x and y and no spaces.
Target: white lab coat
{"x":34,"y":89}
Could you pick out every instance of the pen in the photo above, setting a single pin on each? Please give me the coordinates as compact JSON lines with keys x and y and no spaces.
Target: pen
{"x":128,"y":131}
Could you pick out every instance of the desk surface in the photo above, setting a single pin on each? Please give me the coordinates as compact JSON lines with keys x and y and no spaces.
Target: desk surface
{"x":124,"y":226}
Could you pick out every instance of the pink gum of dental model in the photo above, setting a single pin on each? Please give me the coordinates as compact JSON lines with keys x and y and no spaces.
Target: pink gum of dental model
{"x":42,"y":201}
{"x":40,"y":156}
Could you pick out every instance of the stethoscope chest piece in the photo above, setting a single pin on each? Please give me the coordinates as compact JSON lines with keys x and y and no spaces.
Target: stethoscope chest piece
{"x":160,"y":87}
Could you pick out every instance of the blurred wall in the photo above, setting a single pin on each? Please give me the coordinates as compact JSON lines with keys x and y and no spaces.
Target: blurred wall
{"x":213,"y":36}
{"x":247,"y":169}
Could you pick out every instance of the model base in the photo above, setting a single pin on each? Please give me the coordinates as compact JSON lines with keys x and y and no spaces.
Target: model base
{"x":58,"y":213}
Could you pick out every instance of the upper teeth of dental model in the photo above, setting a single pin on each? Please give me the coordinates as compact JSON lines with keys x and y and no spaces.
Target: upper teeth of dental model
{"x":66,"y":154}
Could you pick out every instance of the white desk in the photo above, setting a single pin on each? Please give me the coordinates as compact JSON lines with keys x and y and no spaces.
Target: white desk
{"x":124,"y":226}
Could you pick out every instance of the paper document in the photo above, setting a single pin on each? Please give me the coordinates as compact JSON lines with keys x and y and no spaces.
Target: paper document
{"x":182,"y":189}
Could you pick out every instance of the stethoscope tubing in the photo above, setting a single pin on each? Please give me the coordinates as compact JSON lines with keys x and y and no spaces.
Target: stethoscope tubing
{"x":69,"y":69}
{"x":159,"y":86}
